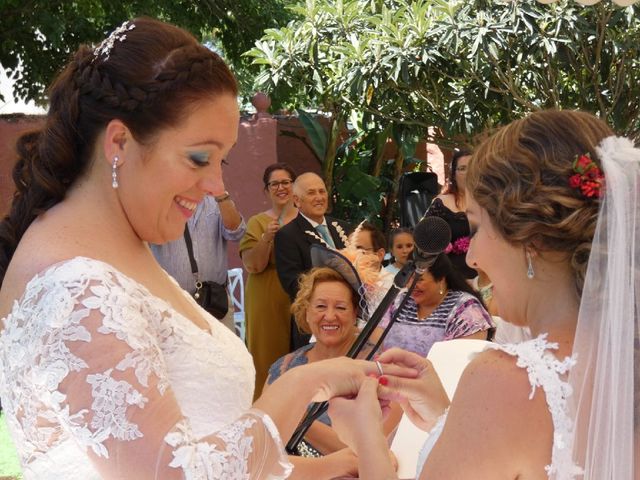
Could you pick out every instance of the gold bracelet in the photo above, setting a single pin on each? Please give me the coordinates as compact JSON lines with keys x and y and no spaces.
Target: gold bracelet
{"x":222,"y":198}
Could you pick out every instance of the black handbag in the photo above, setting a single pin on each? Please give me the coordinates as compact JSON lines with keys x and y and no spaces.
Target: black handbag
{"x":211,"y":296}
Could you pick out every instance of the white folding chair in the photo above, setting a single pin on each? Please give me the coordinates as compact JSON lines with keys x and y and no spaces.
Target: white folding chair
{"x":236,"y":289}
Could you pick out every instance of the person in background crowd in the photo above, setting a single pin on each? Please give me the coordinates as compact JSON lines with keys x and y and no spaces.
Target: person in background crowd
{"x":441,"y":307}
{"x":401,"y":247}
{"x":450,"y":206}
{"x":482,"y":283}
{"x":367,"y":238}
{"x":215,"y":221}
{"x":266,"y":303}
{"x":366,"y":252}
{"x":327,"y":306}
{"x":292,"y":242}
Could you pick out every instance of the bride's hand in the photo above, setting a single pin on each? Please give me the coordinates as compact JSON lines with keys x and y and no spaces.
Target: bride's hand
{"x":423,"y":399}
{"x":356,"y":419}
{"x":343,"y":376}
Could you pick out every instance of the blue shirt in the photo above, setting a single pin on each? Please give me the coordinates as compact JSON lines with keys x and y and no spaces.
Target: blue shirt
{"x":209,"y":237}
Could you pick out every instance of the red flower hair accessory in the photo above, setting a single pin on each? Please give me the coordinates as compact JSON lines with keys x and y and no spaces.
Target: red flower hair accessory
{"x":588,"y":179}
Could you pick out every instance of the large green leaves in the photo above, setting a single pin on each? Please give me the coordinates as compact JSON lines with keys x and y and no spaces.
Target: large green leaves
{"x":42,"y":34}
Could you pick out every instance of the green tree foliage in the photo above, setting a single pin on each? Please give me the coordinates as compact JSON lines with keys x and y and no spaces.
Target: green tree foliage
{"x":42,"y":34}
{"x":395,"y":68}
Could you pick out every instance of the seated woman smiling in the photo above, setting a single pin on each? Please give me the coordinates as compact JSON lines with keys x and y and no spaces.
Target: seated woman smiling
{"x":326,"y":307}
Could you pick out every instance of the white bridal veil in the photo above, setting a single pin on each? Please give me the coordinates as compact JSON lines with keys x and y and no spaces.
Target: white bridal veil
{"x":606,"y":381}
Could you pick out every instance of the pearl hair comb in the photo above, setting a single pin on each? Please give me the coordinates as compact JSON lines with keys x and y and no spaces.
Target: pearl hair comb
{"x":119,"y":34}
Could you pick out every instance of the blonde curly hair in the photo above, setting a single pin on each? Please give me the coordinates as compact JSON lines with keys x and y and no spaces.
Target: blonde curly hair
{"x":307,"y":284}
{"x":520,"y":176}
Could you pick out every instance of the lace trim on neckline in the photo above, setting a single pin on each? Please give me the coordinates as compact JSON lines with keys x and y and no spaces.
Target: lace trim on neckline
{"x":545,"y":370}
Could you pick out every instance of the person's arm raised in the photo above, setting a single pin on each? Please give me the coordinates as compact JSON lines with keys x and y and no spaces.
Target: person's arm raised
{"x":256,"y":258}
{"x":231,"y":218}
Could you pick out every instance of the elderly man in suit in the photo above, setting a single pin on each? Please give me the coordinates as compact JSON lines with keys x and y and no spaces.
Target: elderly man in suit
{"x":293,"y":241}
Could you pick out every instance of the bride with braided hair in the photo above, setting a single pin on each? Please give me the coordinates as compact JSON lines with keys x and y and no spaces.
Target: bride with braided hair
{"x":107,"y":368}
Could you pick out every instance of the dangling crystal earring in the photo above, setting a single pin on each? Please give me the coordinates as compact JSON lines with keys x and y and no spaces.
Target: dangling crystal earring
{"x":530,"y":273}
{"x":114,"y":172}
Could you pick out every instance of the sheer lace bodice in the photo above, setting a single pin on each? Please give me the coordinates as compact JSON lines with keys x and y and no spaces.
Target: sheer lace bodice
{"x":546,"y":371}
{"x":100,"y":379}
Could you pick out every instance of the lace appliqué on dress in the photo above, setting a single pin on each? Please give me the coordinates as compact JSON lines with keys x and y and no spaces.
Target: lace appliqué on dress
{"x":545,"y":370}
{"x":84,"y":354}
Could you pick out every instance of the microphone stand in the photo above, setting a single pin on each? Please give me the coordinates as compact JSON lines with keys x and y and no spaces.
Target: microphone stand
{"x":399,"y":282}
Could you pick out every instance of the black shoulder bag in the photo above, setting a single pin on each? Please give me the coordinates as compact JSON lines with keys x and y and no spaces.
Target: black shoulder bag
{"x":210,"y":295}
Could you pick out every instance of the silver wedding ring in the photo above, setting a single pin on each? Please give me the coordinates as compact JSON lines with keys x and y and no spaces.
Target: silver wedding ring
{"x":379,"y":368}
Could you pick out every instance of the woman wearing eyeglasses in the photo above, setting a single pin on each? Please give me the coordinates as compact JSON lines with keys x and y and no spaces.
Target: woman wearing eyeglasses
{"x":266,"y":303}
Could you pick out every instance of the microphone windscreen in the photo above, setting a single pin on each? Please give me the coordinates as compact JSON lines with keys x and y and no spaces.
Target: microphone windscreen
{"x":431,"y":235}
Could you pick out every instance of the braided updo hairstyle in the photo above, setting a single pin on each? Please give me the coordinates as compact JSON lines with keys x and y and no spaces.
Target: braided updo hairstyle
{"x":149,"y":80}
{"x":520,"y":176}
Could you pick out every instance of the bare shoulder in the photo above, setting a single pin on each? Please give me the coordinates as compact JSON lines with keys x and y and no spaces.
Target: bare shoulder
{"x":488,"y":376}
{"x":494,"y":429}
{"x":449,"y":200}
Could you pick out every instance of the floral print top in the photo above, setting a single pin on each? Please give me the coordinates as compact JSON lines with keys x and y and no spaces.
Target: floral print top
{"x":459,"y":314}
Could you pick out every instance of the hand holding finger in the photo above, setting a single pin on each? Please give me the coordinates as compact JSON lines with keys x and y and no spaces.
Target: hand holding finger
{"x":357,"y":418}
{"x":343,"y":376}
{"x":380,"y":368}
{"x":423,"y":399}
{"x":397,"y":356}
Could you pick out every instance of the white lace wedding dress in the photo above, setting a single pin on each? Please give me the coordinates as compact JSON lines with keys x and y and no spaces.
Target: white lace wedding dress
{"x":100,"y":379}
{"x":545,"y":371}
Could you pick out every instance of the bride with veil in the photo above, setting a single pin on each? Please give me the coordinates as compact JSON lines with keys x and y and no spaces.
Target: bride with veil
{"x":554,"y":220}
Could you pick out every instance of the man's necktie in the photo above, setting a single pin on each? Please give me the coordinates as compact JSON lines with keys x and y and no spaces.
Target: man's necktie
{"x":324,"y":233}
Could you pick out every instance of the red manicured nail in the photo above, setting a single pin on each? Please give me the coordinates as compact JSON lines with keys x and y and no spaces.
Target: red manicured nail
{"x":384,"y":381}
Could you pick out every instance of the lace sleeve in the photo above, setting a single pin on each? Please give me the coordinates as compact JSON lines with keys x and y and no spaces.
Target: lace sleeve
{"x":92,"y":373}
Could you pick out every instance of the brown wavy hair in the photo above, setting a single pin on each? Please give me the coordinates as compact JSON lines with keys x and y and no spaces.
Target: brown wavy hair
{"x":307,"y":284}
{"x":452,"y":184}
{"x":150,"y":81}
{"x":520,"y":176}
{"x":274,"y":167}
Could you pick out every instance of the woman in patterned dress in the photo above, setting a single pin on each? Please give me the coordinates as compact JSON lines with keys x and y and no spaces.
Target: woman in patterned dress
{"x":441,"y":307}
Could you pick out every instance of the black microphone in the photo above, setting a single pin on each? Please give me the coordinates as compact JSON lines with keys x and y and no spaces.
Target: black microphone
{"x":431,"y":236}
